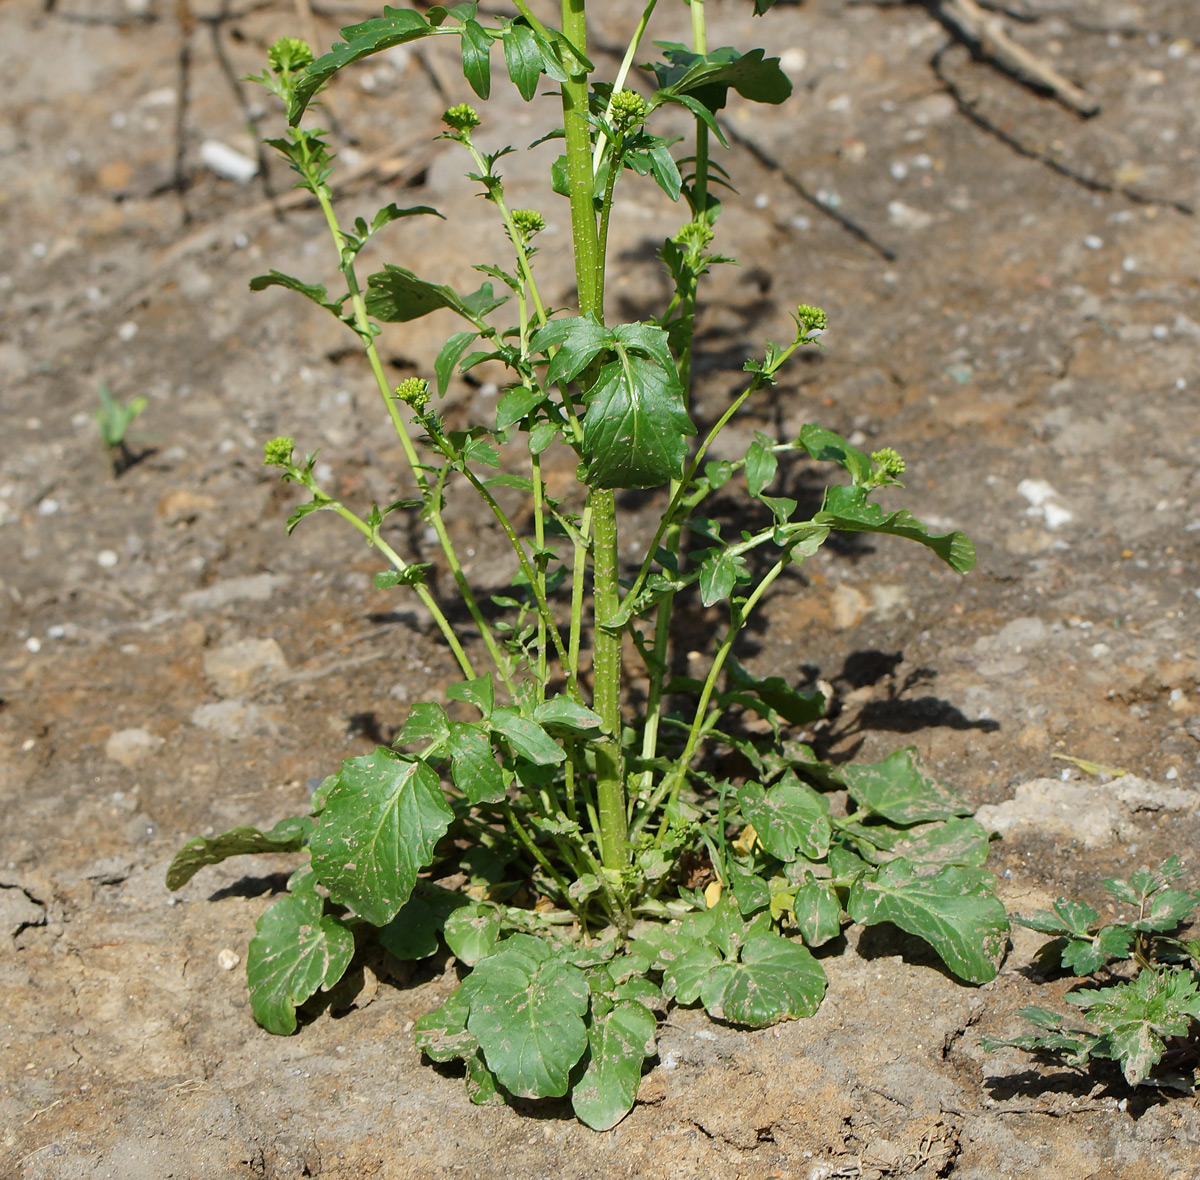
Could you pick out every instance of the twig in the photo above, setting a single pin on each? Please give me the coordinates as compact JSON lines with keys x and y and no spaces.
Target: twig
{"x":986,"y":32}
{"x":37,"y":1113}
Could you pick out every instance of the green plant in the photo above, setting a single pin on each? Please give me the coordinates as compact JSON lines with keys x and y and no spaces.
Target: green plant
{"x":114,"y":420}
{"x":1148,"y":1019}
{"x":582,"y":854}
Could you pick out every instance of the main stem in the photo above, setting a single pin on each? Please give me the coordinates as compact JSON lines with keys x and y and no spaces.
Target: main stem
{"x":606,"y":659}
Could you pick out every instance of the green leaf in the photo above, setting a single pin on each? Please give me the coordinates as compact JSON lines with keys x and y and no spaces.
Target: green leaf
{"x":441,"y":1034}
{"x":396,"y":27}
{"x":452,"y":352}
{"x":286,"y":836}
{"x":296,"y":950}
{"x":900,"y":791}
{"x":849,"y":510}
{"x":1083,"y":957}
{"x":427,"y":722}
{"x":684,"y":977}
{"x":710,"y":78}
{"x":527,"y":1009}
{"x":379,"y":828}
{"x":476,"y":58}
{"x":761,"y":465}
{"x":516,"y":404}
{"x":791,"y":819}
{"x":953,"y":842}
{"x":396,"y":296}
{"x":953,"y":910}
{"x":1166,"y":910}
{"x":318,"y":503}
{"x":719,"y":575}
{"x":411,"y":575}
{"x":818,"y":912}
{"x":480,"y":692}
{"x":413,"y":932}
{"x":636,"y":424}
{"x":797,"y":708}
{"x":394,"y":212}
{"x":579,"y":339}
{"x":618,"y":1043}
{"x":564,"y":716}
{"x":527,"y":738}
{"x":473,"y":766}
{"x":541,"y":436}
{"x":313,"y":291}
{"x":523,"y":57}
{"x":1138,"y":1016}
{"x":473,"y":931}
{"x":775,"y":979}
{"x":827,"y":447}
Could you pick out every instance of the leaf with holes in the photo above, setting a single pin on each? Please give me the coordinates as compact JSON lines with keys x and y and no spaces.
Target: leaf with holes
{"x":900,"y":791}
{"x":774,"y":979}
{"x":286,"y":836}
{"x":791,"y":819}
{"x":618,"y":1043}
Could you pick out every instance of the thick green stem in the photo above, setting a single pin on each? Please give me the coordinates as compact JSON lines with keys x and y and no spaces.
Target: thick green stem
{"x":606,"y":669}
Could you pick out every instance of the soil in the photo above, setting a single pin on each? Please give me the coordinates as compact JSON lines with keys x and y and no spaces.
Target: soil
{"x":1013,"y":300}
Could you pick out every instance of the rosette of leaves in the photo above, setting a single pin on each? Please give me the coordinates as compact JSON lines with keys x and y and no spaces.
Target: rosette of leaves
{"x":1147,"y":1018}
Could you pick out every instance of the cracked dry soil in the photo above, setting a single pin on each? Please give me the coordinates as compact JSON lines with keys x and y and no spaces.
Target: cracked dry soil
{"x":1014,"y":306}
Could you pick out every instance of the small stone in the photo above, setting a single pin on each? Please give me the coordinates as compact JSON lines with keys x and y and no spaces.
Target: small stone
{"x":1092,"y":242}
{"x":33,"y":644}
{"x":227,"y":960}
{"x":256,"y":588}
{"x":130,"y":746}
{"x":238,"y":668}
{"x":906,"y":217}
{"x":227,"y":163}
{"x":850,"y":607}
{"x":48,"y":507}
{"x":107,"y":559}
{"x":127,"y":331}
{"x":233,"y":720}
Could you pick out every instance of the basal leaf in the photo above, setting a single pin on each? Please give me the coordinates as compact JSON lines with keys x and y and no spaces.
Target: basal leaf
{"x":791,"y":819}
{"x":636,"y":425}
{"x":951,"y":842}
{"x":296,"y":950}
{"x":441,"y":1034}
{"x":953,"y":910}
{"x":396,"y":27}
{"x":527,"y":1009}
{"x":684,"y":976}
{"x":379,"y":828}
{"x":618,"y":1043}
{"x":848,"y":510}
{"x":900,"y":791}
{"x":413,"y":932}
{"x":818,"y":912}
{"x":775,"y":979}
{"x":286,"y":836}
{"x":473,"y":931}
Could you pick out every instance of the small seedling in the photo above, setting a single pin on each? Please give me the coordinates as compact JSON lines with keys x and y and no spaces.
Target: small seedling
{"x":114,"y":420}
{"x":1147,"y":1014}
{"x":577,"y":846}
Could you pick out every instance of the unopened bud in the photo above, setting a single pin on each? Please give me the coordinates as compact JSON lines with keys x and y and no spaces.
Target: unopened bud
{"x":414,"y":392}
{"x":461,"y":118}
{"x":629,"y":110}
{"x":288,"y":55}
{"x":528,"y":222}
{"x":810,"y":319}
{"x":278,"y":452}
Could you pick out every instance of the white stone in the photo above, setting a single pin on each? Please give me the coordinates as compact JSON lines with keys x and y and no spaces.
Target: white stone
{"x":226,"y":162}
{"x":130,"y":746}
{"x":238,"y":668}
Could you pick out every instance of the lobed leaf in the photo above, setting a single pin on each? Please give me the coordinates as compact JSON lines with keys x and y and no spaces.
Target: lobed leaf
{"x":775,"y":979}
{"x":791,"y":819}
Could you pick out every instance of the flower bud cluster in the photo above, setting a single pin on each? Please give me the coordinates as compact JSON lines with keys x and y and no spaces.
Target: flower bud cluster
{"x":629,"y":110}
{"x":528,"y":222}
{"x":887,"y":463}
{"x":288,"y":55}
{"x":811,"y":319}
{"x":414,"y":393}
{"x":461,"y":118}
{"x":278,"y":452}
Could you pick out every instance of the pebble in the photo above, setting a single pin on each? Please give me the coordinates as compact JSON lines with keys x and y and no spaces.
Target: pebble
{"x":129,"y":746}
{"x":1092,"y":242}
{"x":227,"y":163}
{"x":255,"y":588}
{"x":233,"y":720}
{"x":227,"y":960}
{"x":906,"y":217}
{"x":48,"y":507}
{"x":107,"y":558}
{"x":127,"y":331}
{"x":34,"y":644}
{"x":238,"y":667}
